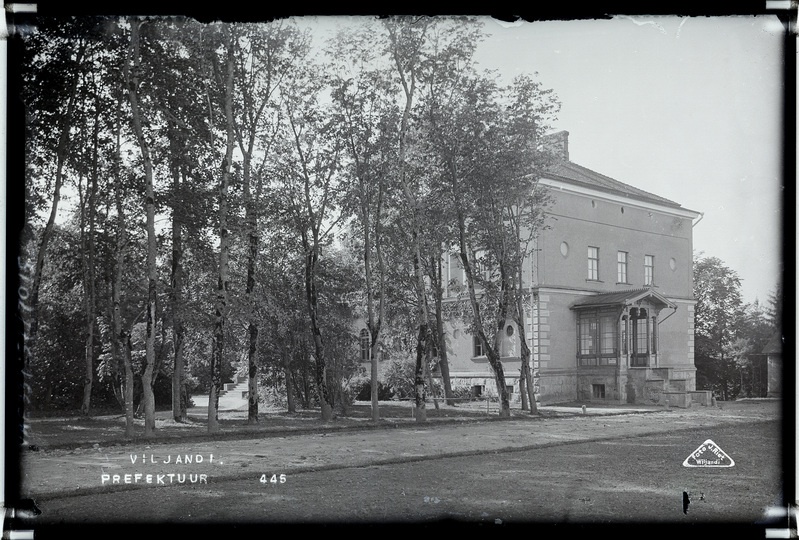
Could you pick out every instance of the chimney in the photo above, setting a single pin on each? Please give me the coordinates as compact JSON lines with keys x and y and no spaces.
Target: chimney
{"x":558,"y":144}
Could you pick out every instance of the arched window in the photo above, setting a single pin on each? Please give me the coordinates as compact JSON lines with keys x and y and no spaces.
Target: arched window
{"x":366,"y":343}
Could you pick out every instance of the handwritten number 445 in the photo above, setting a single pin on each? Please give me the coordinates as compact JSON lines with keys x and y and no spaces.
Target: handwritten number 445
{"x":274,"y":479}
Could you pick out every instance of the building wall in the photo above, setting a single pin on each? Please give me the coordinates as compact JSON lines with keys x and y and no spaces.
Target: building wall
{"x":774,"y":375}
{"x":461,"y":357}
{"x":580,"y":221}
{"x":559,"y":277}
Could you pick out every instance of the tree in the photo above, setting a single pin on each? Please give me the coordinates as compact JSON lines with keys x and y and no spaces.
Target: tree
{"x":177,"y":87}
{"x":310,"y":195}
{"x":133,"y":71}
{"x":368,"y":121}
{"x":718,"y":309}
{"x":121,"y":345}
{"x":487,"y":142}
{"x":223,"y":74}
{"x":529,"y":116}
{"x":407,"y":38}
{"x":54,"y":61}
{"x":266,"y":57}
{"x":774,"y":307}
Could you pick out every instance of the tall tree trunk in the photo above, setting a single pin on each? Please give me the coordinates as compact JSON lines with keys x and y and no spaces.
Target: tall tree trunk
{"x":526,"y":373}
{"x":149,"y":206}
{"x":252,"y":372}
{"x":62,"y":154}
{"x":428,"y":372}
{"x":311,"y":259}
{"x":121,"y":341}
{"x":420,"y":411}
{"x":126,"y":355}
{"x":292,"y":408}
{"x":220,"y":312}
{"x":491,"y":348}
{"x":443,"y":363}
{"x":88,"y":347}
{"x":251,"y":221}
{"x":523,"y":388}
{"x":407,"y":74}
{"x":373,"y":325}
{"x":306,"y":382}
{"x":179,"y":412}
{"x":91,"y":299}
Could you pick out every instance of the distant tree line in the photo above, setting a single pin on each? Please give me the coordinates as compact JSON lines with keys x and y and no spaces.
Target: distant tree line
{"x":210,"y":199}
{"x":730,"y":335}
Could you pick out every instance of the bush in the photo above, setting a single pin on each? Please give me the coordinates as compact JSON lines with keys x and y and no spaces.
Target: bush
{"x":401,"y":376}
{"x":363,"y":391}
{"x":462,"y":393}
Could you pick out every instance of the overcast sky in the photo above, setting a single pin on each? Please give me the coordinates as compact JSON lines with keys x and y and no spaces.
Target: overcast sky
{"x":687,"y":108}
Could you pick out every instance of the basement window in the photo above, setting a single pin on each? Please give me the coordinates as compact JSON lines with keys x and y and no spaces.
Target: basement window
{"x":599,"y":391}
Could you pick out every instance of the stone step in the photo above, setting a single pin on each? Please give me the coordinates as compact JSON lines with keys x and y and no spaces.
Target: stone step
{"x":235,"y":387}
{"x":676,"y":399}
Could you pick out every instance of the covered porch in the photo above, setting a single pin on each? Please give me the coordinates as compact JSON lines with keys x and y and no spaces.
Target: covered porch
{"x":618,"y":344}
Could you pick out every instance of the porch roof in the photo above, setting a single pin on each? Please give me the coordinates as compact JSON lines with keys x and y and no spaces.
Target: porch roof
{"x":623,"y":298}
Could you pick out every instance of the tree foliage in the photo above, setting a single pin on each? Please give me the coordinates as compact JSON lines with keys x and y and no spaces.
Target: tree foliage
{"x":730,"y":335}
{"x":217,"y":180}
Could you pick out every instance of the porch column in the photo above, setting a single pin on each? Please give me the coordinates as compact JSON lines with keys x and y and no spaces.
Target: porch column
{"x":626,"y":336}
{"x":653,"y":339}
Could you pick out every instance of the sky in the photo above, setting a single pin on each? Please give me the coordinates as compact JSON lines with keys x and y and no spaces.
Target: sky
{"x":686,"y":108}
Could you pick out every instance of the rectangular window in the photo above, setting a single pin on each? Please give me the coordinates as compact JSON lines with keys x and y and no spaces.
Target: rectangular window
{"x":597,"y":334}
{"x":641,"y":339}
{"x":598,"y":391}
{"x":588,"y":331}
{"x":607,"y":324}
{"x":622,"y":267}
{"x":481,"y":266}
{"x":649,"y":269}
{"x":366,"y":345}
{"x":593,"y":263}
{"x":478,"y":347}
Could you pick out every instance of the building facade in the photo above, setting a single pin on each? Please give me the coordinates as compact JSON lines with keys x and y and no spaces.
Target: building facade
{"x":610,"y":315}
{"x":611,"y":310}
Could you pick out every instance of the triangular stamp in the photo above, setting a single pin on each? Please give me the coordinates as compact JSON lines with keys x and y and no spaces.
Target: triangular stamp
{"x":708,"y":455}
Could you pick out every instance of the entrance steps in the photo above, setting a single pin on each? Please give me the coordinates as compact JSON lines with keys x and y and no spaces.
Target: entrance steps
{"x":235,"y":395}
{"x":662,"y":388}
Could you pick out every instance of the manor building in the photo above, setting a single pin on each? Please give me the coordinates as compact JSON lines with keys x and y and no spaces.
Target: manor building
{"x":610,"y":315}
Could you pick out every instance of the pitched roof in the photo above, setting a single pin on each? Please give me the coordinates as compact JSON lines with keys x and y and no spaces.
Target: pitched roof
{"x":622,"y":298}
{"x":577,"y":174}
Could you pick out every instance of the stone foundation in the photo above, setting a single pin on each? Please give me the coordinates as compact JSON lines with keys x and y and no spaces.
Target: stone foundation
{"x":676,"y":399}
{"x":701,"y":397}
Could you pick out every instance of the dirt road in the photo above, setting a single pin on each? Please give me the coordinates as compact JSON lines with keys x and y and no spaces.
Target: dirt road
{"x":619,"y":480}
{"x":61,"y":472}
